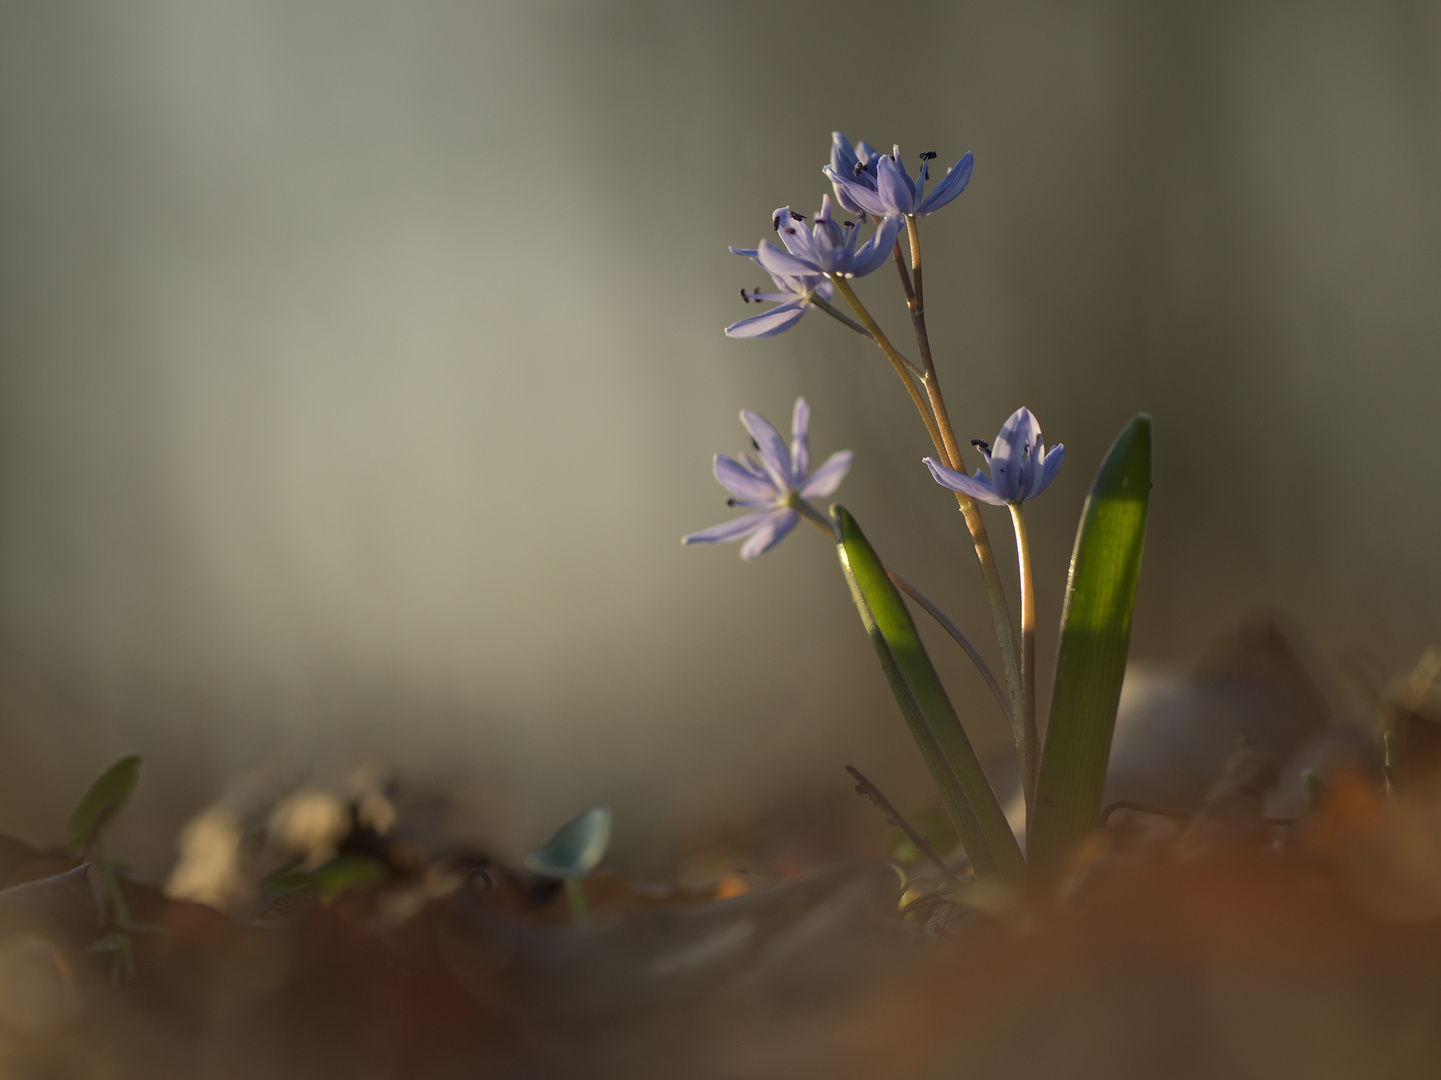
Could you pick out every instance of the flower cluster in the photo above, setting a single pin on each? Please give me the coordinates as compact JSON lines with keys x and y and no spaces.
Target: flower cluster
{"x":878,"y":184}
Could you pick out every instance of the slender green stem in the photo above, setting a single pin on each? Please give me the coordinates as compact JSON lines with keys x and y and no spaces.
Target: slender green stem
{"x":841,"y":316}
{"x":114,"y":891}
{"x":900,"y":363}
{"x":1030,"y":750}
{"x":579,"y":906}
{"x":995,"y":592}
{"x":825,"y":525}
{"x":955,"y":632}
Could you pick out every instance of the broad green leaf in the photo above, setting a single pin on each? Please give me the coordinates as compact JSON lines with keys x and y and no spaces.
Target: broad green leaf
{"x":102,"y":803}
{"x":576,"y":848}
{"x":928,"y":712}
{"x":1095,"y":637}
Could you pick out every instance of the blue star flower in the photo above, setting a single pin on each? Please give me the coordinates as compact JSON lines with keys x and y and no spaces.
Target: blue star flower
{"x":1021,"y":467}
{"x":794,"y":295}
{"x":879,"y":185}
{"x":775,"y":485}
{"x":825,"y":249}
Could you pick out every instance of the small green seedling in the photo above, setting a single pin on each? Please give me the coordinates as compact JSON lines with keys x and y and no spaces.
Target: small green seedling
{"x":85,"y":835}
{"x":96,"y":812}
{"x":572,"y":853}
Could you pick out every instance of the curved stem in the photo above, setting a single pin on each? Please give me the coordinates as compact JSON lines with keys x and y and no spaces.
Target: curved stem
{"x":1030,"y":750}
{"x":899,"y":362}
{"x":960,"y":638}
{"x":840,"y":316}
{"x":825,"y":525}
{"x":995,"y":593}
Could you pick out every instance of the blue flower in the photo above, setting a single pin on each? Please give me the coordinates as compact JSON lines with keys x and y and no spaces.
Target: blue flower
{"x":852,"y":163}
{"x":794,"y":296}
{"x":879,"y":185}
{"x":775,"y":485}
{"x":1021,"y":467}
{"x":825,"y":249}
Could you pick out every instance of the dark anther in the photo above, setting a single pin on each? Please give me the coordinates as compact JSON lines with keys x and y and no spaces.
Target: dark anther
{"x":730,"y":502}
{"x":756,"y":445}
{"x":981,"y":444}
{"x":744,"y":298}
{"x":790,"y":230}
{"x":928,"y":155}
{"x":858,"y":169}
{"x":797,"y":217}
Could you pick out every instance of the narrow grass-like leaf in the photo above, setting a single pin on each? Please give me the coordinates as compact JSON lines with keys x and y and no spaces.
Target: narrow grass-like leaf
{"x":99,"y":806}
{"x":927,"y":709}
{"x":1095,"y":637}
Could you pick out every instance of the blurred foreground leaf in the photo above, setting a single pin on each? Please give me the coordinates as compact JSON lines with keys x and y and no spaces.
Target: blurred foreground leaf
{"x":576,"y":848}
{"x":100,"y":805}
{"x":341,"y":874}
{"x":928,"y":712}
{"x":1095,"y":638}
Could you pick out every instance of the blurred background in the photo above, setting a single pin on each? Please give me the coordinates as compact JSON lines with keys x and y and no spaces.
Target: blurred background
{"x":361,"y":366}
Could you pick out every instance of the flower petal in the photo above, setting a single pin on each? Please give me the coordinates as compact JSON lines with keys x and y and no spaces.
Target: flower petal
{"x":875,"y":251}
{"x":740,"y":481}
{"x":1008,"y":454}
{"x":828,"y":477}
{"x":800,"y":443}
{"x":770,"y":533}
{"x":894,"y":186}
{"x":731,"y":530}
{"x":772,"y":449}
{"x":862,"y":195}
{"x":977,"y":487}
{"x":951,"y":185}
{"x":1050,"y":466}
{"x":780,"y":263}
{"x":769,"y":323}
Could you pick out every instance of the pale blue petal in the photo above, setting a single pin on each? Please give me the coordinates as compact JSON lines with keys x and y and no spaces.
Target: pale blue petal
{"x":977,"y":487}
{"x":951,"y":185}
{"x":828,"y":477}
{"x":749,"y":253}
{"x":782,"y":263}
{"x":1008,"y":454}
{"x":769,"y":323}
{"x":862,"y":195}
{"x":843,"y":156}
{"x":875,"y":251}
{"x":731,"y":530}
{"x":800,"y":443}
{"x":770,"y":533}
{"x":894,"y":186}
{"x":771,"y":448}
{"x":1050,"y":467}
{"x":740,"y":481}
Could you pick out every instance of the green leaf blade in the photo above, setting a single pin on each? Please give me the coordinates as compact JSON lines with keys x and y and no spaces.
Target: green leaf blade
{"x":1091,"y":661}
{"x":99,"y":806}
{"x":927,"y":709}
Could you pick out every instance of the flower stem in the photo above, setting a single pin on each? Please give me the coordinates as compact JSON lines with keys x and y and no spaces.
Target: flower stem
{"x":841,"y":316}
{"x":955,"y":632}
{"x":995,"y":593}
{"x":579,"y":906}
{"x":827,"y":526}
{"x":1030,"y":749}
{"x":899,"y":362}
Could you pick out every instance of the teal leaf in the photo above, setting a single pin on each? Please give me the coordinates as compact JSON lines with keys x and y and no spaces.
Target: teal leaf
{"x":576,"y":848}
{"x":1095,"y":638}
{"x":99,"y":807}
{"x":952,"y":761}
